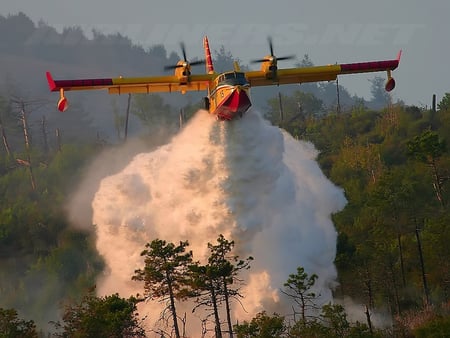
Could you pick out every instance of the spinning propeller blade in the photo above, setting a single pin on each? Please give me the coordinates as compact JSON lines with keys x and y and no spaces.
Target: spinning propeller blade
{"x":185,"y":63}
{"x":272,"y":58}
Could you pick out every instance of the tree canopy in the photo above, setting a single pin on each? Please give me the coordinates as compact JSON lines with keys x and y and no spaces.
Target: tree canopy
{"x":109,"y":316}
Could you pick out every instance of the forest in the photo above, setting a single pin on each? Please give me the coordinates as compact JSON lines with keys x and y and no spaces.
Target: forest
{"x":390,"y":158}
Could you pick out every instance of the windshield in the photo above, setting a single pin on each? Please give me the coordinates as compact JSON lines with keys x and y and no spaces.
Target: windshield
{"x":232,"y":78}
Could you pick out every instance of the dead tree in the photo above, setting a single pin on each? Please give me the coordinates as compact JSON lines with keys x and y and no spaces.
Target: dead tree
{"x":20,"y":103}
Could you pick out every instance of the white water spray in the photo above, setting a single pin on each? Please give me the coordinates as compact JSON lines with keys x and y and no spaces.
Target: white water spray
{"x":245,"y":179}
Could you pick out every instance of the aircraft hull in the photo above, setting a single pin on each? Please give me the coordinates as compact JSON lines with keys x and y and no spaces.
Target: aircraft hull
{"x":234,"y":103}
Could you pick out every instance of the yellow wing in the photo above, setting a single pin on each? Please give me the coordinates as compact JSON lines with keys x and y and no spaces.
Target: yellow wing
{"x":134,"y":84}
{"x":292,"y":75}
{"x":270,"y":75}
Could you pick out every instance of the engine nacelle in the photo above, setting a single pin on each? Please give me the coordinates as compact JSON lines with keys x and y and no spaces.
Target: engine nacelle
{"x":390,"y":84}
{"x":63,"y":104}
{"x":269,"y":67}
{"x":183,"y":71}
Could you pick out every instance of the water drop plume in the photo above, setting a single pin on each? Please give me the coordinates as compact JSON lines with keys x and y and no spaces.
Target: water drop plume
{"x":245,"y":179}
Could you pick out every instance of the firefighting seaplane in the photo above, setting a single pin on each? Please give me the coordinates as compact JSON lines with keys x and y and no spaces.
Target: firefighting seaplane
{"x":228,"y":94}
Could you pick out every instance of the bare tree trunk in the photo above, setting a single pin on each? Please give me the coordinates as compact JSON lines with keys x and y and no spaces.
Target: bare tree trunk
{"x":280,"y":106}
{"x":394,"y":286}
{"x":422,"y":265}
{"x":369,"y":321}
{"x":218,"y":329}
{"x":27,"y":144}
{"x":44,"y":134}
{"x":402,"y":265}
{"x":4,"y":138}
{"x":303,"y":308}
{"x":172,"y":309}
{"x":338,"y":106}
{"x":227,"y":307}
{"x":58,"y":139}
{"x":438,"y":183}
{"x":368,"y":283}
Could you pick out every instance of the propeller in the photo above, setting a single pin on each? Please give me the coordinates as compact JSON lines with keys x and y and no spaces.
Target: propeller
{"x":272,"y":58}
{"x":186,"y":63}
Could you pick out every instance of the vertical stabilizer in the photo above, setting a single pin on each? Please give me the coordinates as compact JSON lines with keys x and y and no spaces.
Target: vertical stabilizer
{"x":209,"y":63}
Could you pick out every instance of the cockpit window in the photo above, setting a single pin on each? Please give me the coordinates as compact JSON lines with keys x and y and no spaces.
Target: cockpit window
{"x":232,"y":78}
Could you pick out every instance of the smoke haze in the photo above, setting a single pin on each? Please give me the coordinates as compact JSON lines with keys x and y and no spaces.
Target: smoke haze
{"x":247,"y":180}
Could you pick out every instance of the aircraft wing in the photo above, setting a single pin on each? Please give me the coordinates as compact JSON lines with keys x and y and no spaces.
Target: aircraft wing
{"x":124,"y":85}
{"x":319,"y":73}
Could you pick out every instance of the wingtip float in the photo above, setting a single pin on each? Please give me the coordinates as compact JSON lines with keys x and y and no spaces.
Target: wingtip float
{"x":228,"y":94}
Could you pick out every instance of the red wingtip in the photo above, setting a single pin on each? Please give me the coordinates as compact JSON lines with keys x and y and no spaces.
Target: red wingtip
{"x":399,"y":55}
{"x":51,"y":82}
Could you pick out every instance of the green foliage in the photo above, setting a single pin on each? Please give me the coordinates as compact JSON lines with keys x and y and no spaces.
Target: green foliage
{"x":376,"y":157}
{"x":444,"y":104}
{"x":427,"y":147}
{"x":228,"y":265}
{"x":165,"y":269}
{"x":12,"y":326}
{"x":332,"y":323}
{"x":435,"y":238}
{"x":109,"y":316}
{"x":436,"y":328}
{"x":335,"y":319}
{"x":165,"y":274}
{"x":345,"y":251}
{"x":38,"y":249}
{"x":261,"y":326}
{"x":310,"y":328}
{"x":206,"y":283}
{"x":296,"y":108}
{"x":218,"y":282}
{"x":298,"y":287}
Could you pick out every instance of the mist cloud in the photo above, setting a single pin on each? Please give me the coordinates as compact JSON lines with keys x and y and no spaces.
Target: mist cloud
{"x":246,"y":180}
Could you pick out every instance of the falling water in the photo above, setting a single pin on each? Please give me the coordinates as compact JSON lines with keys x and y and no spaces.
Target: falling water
{"x":245,"y":179}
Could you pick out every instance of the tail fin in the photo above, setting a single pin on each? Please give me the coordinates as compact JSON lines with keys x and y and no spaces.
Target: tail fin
{"x":209,"y":63}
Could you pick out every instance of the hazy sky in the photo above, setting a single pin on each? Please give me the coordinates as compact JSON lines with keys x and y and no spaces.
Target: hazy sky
{"x":328,"y":31}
